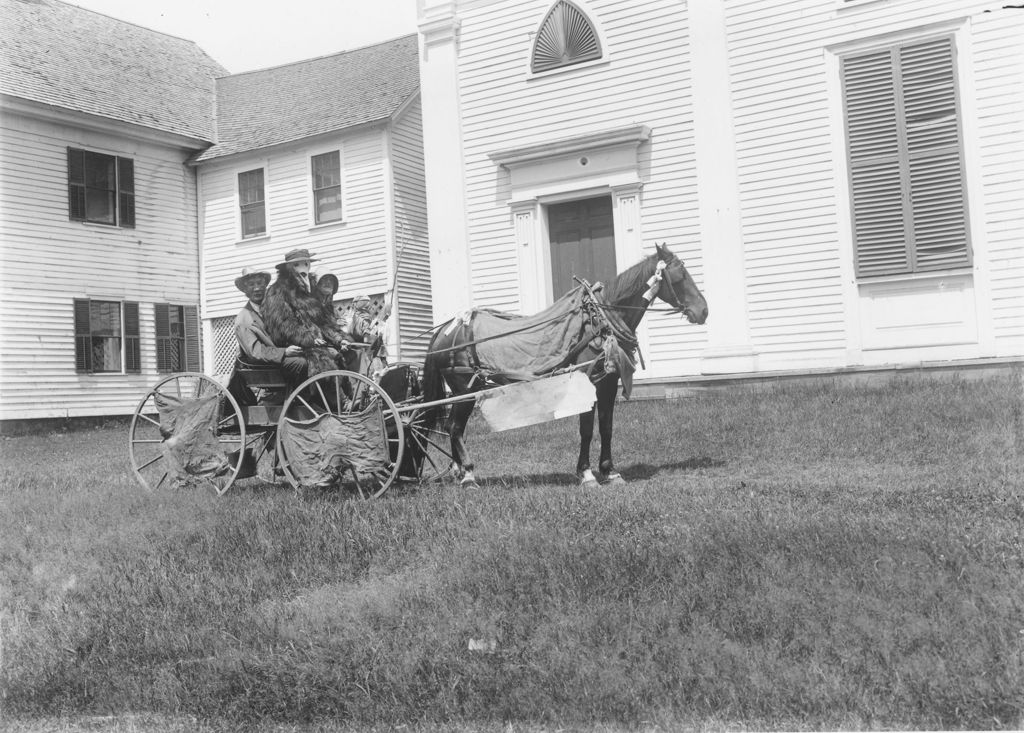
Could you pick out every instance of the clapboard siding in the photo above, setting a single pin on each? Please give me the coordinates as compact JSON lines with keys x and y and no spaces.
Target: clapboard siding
{"x":414,"y":312}
{"x":643,"y":79}
{"x":157,"y":261}
{"x":355,"y":249}
{"x":786,"y":161}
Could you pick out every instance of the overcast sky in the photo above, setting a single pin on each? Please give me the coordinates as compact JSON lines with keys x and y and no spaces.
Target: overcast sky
{"x":243,"y":35}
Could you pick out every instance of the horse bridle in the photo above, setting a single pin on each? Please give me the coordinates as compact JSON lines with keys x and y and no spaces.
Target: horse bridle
{"x":676,"y":303}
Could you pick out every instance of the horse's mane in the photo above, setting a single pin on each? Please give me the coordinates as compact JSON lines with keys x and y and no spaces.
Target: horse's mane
{"x":631,"y":281}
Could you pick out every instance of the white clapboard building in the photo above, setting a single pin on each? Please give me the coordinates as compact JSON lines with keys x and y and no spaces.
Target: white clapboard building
{"x":843,"y":178}
{"x":324,"y":155}
{"x":99,"y":278}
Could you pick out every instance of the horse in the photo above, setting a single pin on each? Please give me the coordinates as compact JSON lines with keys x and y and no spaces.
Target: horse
{"x":623,"y":301}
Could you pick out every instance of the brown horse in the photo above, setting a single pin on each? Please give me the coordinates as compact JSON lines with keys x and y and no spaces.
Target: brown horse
{"x":452,"y":358}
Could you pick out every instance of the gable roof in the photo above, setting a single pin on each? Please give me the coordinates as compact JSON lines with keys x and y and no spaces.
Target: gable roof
{"x":285,"y":103}
{"x":76,"y":59}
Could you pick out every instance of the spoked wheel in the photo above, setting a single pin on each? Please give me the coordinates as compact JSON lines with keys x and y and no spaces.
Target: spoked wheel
{"x":428,"y":456}
{"x":339,"y":429}
{"x":188,"y":430}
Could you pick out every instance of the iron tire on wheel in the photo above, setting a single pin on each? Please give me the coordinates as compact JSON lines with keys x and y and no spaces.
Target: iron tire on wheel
{"x":145,"y":438}
{"x":352,"y":394}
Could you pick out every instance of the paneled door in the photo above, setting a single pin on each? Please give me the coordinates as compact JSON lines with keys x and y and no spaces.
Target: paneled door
{"x":582,"y":237}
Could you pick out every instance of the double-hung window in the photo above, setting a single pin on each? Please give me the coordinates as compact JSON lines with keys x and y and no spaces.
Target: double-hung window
{"x":326,"y":175}
{"x":252,"y":203}
{"x":101,"y":188}
{"x":106,"y":336}
{"x":905,"y":155}
{"x":177,"y":337}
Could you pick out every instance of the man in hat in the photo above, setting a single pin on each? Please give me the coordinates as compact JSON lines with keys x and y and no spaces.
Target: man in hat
{"x":294,"y":313}
{"x":256,"y":345}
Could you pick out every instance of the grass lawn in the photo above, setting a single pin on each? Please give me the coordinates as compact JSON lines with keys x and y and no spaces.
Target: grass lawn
{"x":802,"y":557}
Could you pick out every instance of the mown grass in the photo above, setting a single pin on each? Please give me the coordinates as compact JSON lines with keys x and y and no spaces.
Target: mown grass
{"x":803,"y":557}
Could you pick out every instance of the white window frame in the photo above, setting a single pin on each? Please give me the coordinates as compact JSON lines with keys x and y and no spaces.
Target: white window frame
{"x":240,"y":234}
{"x":311,"y":197}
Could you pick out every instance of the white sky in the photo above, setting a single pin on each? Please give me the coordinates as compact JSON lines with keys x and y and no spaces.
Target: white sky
{"x":243,"y":35}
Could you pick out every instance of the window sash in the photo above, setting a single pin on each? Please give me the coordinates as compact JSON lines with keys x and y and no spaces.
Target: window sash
{"x":106,"y":336}
{"x":252,"y":203}
{"x":326,"y":174}
{"x":101,"y":188}
{"x":905,"y":157}
{"x":177,"y":338}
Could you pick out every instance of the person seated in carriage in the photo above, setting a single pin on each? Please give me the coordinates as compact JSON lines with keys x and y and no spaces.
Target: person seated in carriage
{"x":255,"y":344}
{"x":364,"y":326}
{"x":295,"y":313}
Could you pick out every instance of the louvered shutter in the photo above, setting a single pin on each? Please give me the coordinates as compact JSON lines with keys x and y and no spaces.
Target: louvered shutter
{"x":193,"y":359}
{"x":873,"y":143}
{"x":76,"y":184}
{"x":83,"y":337}
{"x":904,"y":153}
{"x":132,"y":350}
{"x":126,"y":191}
{"x":162,"y":328}
{"x":936,"y":171}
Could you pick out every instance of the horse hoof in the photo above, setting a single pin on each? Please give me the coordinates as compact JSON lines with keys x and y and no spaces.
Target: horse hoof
{"x":469,"y":484}
{"x":589,"y":483}
{"x":611,"y":479}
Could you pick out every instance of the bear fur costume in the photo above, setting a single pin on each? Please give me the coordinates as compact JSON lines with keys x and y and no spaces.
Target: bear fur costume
{"x":294,"y":316}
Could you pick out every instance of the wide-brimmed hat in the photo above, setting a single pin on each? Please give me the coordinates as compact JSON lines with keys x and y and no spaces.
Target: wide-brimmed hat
{"x":329,"y":278}
{"x":296,"y":256}
{"x":251,"y":272}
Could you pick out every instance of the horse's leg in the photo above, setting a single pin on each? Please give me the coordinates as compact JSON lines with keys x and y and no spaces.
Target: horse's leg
{"x":457,"y":430}
{"x":607,"y":389}
{"x":586,"y":476}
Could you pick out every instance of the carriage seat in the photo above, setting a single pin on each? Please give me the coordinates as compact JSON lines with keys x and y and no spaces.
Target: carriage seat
{"x":260,"y":376}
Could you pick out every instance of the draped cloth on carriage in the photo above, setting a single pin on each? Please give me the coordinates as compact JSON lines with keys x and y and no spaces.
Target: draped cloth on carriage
{"x":331,"y":447}
{"x":188,"y":428}
{"x":515,"y":348}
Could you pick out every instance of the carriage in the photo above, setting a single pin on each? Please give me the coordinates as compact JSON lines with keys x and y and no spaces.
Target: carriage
{"x":366,"y":430}
{"x":362,"y":431}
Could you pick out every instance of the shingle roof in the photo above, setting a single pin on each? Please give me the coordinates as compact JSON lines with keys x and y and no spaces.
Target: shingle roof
{"x":271,"y":106}
{"x":63,"y":55}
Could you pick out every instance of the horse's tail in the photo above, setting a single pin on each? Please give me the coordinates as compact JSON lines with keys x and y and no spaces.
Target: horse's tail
{"x":433,"y":381}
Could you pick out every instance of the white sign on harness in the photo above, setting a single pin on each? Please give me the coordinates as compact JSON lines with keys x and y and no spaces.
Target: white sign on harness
{"x":528,"y":403}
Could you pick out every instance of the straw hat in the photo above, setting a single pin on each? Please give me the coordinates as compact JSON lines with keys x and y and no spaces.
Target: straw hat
{"x":296,"y":256}
{"x":251,"y":272}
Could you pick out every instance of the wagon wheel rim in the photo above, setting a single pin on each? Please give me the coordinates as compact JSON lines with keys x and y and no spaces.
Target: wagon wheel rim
{"x":146,"y":443}
{"x":344,"y":395}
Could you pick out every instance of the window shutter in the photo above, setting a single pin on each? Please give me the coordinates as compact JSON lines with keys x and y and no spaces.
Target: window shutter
{"x":83,"y":337}
{"x":193,"y":360}
{"x":132,"y":350}
{"x":126,"y":191}
{"x":162,"y":328}
{"x":937,"y":190}
{"x":76,"y":184}
{"x":876,"y":182}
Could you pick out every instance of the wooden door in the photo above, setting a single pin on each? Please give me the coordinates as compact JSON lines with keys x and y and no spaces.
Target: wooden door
{"x":582,"y":237}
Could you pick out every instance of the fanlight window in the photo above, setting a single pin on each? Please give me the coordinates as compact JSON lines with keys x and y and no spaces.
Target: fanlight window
{"x":566,"y":37}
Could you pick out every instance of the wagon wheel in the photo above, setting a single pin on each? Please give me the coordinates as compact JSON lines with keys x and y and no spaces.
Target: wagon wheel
{"x":428,"y":449}
{"x":187,"y":430}
{"x":427,"y":455}
{"x":340,"y":429}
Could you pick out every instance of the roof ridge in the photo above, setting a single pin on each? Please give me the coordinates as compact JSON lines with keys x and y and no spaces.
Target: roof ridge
{"x":325,"y":56}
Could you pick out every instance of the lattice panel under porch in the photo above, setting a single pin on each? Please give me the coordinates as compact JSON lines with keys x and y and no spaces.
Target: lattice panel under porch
{"x":225,"y":345}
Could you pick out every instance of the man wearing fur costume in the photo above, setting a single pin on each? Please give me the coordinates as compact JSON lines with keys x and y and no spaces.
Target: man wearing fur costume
{"x":294,"y":313}
{"x":255,"y":344}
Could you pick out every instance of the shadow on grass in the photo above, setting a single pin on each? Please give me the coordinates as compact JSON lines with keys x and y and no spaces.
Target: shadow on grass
{"x":634,"y":472}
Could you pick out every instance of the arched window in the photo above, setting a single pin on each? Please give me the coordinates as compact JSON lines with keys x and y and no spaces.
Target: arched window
{"x":566,"y":37}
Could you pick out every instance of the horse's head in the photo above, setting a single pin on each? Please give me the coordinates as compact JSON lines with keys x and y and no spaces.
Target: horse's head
{"x":678,"y":289}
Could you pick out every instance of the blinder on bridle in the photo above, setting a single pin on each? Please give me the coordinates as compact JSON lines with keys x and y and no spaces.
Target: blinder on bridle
{"x":675,"y":302}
